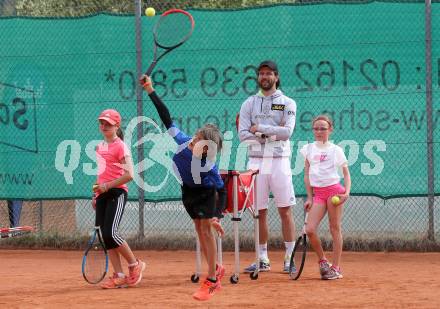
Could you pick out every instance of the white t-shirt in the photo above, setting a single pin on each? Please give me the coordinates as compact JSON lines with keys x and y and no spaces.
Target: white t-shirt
{"x":325,"y":162}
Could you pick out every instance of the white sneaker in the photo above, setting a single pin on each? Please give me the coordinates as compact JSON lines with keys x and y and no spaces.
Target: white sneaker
{"x":286,"y":264}
{"x":264,"y":266}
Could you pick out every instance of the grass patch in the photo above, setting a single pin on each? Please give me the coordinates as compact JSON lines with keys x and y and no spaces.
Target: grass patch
{"x":176,"y":241}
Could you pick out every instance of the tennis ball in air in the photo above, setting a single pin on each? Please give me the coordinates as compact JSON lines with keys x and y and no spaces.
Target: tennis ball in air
{"x":150,"y":12}
{"x":335,"y":200}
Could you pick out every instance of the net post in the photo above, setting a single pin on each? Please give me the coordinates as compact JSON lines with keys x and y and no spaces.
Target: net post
{"x":139,"y":104}
{"x":429,"y":127}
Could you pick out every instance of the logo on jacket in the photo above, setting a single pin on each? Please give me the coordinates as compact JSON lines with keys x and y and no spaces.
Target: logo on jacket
{"x":278,"y":107}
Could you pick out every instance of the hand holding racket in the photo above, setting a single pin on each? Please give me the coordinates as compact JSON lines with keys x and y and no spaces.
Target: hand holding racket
{"x":95,"y":259}
{"x":298,"y":258}
{"x":95,"y":188}
{"x":15,"y":231}
{"x":173,"y":28}
{"x":145,"y":82}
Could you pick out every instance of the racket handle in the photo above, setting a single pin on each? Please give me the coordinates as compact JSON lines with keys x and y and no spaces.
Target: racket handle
{"x":151,"y":68}
{"x":268,"y":137}
{"x":259,"y":134}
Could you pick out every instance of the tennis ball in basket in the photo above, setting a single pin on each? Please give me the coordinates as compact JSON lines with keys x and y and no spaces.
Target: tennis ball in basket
{"x":150,"y":12}
{"x":335,"y":200}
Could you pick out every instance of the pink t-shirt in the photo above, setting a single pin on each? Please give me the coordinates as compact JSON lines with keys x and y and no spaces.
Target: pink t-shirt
{"x":109,"y":158}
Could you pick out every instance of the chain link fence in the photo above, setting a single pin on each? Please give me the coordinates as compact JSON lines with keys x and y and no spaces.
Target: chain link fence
{"x":361,"y":62}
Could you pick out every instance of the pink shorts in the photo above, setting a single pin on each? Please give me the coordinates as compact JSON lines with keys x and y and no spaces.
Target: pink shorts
{"x":322,"y":194}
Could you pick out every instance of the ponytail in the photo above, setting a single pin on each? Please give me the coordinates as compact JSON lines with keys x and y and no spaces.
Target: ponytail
{"x":119,"y":133}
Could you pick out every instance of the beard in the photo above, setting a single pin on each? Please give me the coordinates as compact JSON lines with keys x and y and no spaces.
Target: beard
{"x":266,"y":84}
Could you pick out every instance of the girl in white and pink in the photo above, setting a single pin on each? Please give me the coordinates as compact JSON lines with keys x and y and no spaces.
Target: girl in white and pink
{"x":323,"y":163}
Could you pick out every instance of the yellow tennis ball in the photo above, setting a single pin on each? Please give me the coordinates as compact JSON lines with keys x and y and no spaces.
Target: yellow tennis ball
{"x":335,"y":200}
{"x":150,"y":12}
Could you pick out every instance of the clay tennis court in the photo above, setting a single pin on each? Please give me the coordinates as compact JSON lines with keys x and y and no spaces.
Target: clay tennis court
{"x":52,"y":279}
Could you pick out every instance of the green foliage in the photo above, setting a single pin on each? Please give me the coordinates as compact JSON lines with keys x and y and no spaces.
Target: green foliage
{"x":72,"y":8}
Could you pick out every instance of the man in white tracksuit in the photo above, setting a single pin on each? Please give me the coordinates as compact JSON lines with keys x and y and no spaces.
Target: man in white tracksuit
{"x":266,"y":123}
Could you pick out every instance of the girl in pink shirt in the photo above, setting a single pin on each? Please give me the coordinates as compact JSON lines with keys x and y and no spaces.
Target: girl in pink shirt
{"x":115,"y":169}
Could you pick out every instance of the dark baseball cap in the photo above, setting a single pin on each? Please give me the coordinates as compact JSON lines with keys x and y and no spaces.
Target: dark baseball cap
{"x":270,"y":64}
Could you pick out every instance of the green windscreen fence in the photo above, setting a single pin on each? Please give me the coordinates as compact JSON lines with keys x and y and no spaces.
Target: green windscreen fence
{"x":363,"y":64}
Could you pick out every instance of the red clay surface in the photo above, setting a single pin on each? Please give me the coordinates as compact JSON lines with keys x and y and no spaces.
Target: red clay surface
{"x":52,"y":279}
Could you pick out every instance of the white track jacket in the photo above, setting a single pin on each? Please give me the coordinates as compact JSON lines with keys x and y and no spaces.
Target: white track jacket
{"x":275,"y":117}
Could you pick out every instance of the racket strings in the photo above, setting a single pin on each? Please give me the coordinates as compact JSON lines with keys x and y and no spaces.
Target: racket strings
{"x":299,"y":254}
{"x":173,"y":29}
{"x":95,"y":267}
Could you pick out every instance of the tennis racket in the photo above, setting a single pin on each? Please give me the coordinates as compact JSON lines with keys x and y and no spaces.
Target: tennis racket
{"x":173,"y":28}
{"x":15,"y":231}
{"x":95,"y":259}
{"x":298,"y":258}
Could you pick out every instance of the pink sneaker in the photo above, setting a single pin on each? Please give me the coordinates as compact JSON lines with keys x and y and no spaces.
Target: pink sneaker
{"x":332,"y":274}
{"x":206,"y":290}
{"x":135,"y":273}
{"x":324,"y":267}
{"x":114,"y":282}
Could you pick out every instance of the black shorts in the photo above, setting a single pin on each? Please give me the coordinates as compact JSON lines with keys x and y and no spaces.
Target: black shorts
{"x":109,"y":210}
{"x":200,"y":203}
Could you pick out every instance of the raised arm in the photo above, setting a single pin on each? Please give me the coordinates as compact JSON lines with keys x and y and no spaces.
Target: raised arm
{"x":164,"y":114}
{"x":161,"y":108}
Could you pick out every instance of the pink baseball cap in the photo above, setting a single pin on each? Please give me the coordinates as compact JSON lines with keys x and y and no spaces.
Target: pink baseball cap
{"x":111,"y":116}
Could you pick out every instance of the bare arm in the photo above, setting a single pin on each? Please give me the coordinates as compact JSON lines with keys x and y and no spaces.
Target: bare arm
{"x":309,"y":189}
{"x":127,"y":164}
{"x":347,"y":183}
